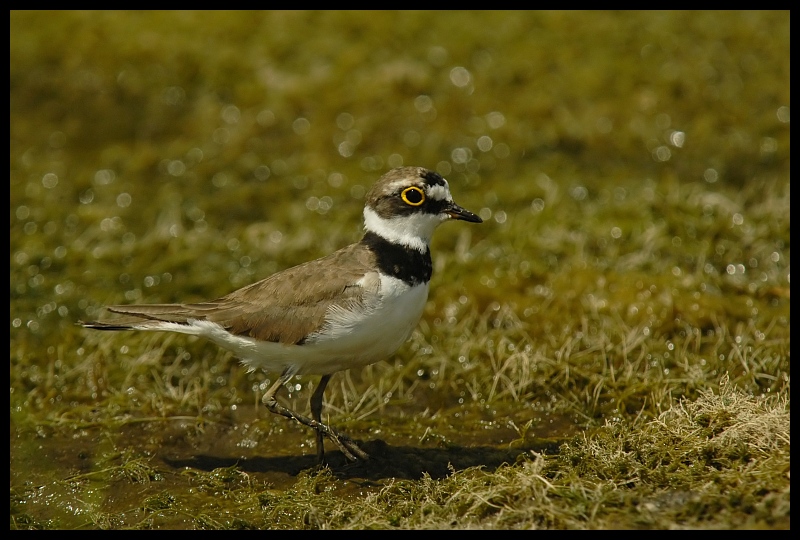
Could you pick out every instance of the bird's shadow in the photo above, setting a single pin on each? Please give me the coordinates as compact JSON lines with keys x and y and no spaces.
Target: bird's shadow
{"x":386,"y":461}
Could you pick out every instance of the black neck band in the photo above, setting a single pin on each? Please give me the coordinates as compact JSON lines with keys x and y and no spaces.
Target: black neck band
{"x":399,"y":261}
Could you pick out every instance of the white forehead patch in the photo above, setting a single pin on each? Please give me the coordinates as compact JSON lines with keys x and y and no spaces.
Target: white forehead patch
{"x":440,"y":193}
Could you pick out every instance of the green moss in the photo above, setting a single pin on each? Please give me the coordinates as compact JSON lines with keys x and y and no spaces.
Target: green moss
{"x":610,"y":349}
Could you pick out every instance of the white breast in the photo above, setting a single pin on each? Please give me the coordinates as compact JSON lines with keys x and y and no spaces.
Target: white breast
{"x":357,"y":337}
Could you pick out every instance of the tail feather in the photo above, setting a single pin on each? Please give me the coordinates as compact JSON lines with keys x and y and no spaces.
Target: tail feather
{"x":157,"y":312}
{"x":100,"y":325}
{"x":144,"y":317}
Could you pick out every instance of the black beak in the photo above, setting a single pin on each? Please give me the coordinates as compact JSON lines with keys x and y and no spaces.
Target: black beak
{"x":456,"y":212}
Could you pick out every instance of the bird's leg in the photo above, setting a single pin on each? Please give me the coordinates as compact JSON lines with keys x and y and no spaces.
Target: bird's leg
{"x":348,"y":447}
{"x":316,"y":414}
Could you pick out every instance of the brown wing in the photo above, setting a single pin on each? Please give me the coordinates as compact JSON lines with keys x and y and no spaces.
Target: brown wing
{"x":284,"y":307}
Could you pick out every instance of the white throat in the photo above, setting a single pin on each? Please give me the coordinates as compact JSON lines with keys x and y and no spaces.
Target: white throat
{"x":413,"y":230}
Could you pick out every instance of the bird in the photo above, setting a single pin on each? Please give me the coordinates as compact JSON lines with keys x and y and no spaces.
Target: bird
{"x":351,"y":308}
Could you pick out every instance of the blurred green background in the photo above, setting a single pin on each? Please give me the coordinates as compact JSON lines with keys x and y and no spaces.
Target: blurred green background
{"x":632,"y":168}
{"x":134,"y":128}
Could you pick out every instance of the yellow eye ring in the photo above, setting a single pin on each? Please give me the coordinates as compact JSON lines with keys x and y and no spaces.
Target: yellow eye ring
{"x":413,"y":196}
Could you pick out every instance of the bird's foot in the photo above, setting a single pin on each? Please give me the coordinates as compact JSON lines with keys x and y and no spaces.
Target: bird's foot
{"x":347,"y":445}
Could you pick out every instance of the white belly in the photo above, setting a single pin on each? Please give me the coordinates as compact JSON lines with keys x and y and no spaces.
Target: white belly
{"x":353,"y":338}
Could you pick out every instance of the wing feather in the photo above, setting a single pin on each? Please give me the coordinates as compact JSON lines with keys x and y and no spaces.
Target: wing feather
{"x":285,"y":307}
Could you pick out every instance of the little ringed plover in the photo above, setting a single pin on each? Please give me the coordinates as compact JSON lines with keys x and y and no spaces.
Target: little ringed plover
{"x":349,"y":309}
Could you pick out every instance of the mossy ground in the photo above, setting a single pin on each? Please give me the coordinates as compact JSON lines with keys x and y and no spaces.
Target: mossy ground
{"x":610,"y":349}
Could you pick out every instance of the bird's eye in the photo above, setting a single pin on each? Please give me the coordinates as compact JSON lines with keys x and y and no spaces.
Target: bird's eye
{"x":413,"y":196}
